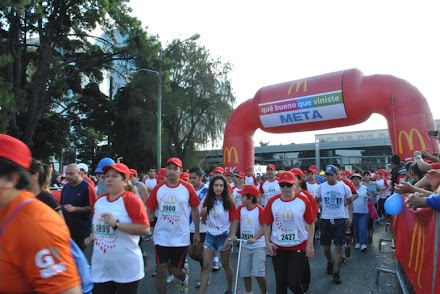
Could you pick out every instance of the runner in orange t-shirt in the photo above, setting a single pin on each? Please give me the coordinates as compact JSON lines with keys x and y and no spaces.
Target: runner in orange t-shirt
{"x":35,"y":251}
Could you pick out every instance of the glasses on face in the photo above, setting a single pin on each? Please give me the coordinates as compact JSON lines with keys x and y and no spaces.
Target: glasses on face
{"x":282,"y":185}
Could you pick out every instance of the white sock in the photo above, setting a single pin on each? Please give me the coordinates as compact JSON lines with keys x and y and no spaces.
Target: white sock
{"x":215,"y":258}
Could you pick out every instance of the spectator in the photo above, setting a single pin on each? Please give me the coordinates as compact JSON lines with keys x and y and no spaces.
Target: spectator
{"x":398,"y":171}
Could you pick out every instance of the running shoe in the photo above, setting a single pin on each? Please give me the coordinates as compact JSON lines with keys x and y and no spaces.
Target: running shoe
{"x":336,"y":278}
{"x":216,"y":266}
{"x":364,"y":248}
{"x":357,"y":246}
{"x":198,"y":284}
{"x":182,"y":286}
{"x":317,"y":235}
{"x":330,"y":267}
{"x":170,"y":278}
{"x":370,"y":240}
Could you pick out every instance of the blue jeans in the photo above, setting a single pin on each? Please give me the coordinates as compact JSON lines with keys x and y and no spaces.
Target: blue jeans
{"x":360,"y":222}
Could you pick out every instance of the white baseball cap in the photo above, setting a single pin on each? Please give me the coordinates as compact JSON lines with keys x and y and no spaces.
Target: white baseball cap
{"x":83,"y":166}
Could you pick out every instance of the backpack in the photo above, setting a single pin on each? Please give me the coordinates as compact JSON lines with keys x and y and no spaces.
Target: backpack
{"x":80,"y":259}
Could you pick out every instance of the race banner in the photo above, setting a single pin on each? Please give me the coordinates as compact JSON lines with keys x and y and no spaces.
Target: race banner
{"x":414,"y":237}
{"x":300,"y":110}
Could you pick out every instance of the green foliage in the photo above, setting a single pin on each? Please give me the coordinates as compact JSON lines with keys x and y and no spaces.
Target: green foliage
{"x":199,"y":101}
{"x":51,"y":136}
{"x":262,"y":143}
{"x":51,"y":62}
{"x":134,"y":129}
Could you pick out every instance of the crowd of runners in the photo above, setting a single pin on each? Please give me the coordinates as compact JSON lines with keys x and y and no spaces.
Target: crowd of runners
{"x":191,"y":214}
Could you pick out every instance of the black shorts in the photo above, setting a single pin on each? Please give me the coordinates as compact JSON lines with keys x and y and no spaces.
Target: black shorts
{"x":335,"y":232}
{"x":176,"y":255}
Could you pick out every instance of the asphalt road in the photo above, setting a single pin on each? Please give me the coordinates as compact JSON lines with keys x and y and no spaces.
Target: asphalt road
{"x":358,"y":274}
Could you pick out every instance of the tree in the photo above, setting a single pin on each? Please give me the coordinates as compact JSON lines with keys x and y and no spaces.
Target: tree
{"x":197,"y":102}
{"x":134,"y":130}
{"x":264,"y":143}
{"x":59,"y":60}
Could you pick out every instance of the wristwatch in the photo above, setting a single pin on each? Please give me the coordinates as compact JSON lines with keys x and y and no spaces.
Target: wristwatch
{"x":116,"y":225}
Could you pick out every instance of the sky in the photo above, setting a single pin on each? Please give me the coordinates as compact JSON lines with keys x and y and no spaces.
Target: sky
{"x":270,"y":42}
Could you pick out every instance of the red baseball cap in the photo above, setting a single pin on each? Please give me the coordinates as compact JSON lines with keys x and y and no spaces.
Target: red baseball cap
{"x":161,"y":174}
{"x":249,"y":169}
{"x":15,"y":150}
{"x":175,"y":161}
{"x":271,"y":166}
{"x":119,"y":167}
{"x":133,"y":172}
{"x":313,"y":168}
{"x":219,"y":169}
{"x":298,"y":172}
{"x":184,"y":176}
{"x":249,"y":189}
{"x":241,"y":175}
{"x":286,"y":177}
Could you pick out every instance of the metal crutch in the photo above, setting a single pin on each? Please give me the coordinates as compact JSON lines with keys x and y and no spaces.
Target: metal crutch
{"x":238,"y":262}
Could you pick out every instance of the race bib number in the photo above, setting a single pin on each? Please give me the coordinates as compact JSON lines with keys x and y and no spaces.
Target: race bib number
{"x":104,"y":230}
{"x":246,"y":235}
{"x":290,"y":237}
{"x":169,"y":208}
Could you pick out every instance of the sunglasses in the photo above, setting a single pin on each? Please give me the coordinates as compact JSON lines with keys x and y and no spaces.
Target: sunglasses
{"x":282,"y":185}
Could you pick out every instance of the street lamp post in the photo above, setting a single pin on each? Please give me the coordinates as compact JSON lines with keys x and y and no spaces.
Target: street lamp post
{"x":162,"y":56}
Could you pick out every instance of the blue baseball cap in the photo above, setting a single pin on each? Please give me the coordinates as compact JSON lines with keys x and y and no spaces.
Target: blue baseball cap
{"x":330,"y":169}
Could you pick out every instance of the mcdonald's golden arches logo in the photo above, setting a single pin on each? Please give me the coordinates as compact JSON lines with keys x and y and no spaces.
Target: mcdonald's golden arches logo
{"x":409,"y":139}
{"x":297,"y":85}
{"x":227,"y":153}
{"x":171,"y":198}
{"x":287,"y":215}
{"x":417,"y":251}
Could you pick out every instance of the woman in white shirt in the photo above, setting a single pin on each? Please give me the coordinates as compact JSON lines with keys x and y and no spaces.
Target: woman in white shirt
{"x":118,"y":221}
{"x":360,"y":213}
{"x":218,"y":211}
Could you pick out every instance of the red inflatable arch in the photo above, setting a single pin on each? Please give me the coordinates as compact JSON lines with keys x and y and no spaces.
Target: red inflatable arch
{"x":329,"y":101}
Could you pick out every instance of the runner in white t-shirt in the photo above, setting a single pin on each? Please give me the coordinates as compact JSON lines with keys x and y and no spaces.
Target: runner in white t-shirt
{"x":119,"y":218}
{"x":250,"y":178}
{"x":270,"y":186}
{"x":218,"y":210}
{"x":175,"y":200}
{"x":151,"y":181}
{"x":239,"y":178}
{"x":253,"y":255}
{"x":289,"y":229}
{"x":334,"y":195}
